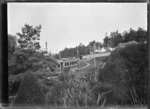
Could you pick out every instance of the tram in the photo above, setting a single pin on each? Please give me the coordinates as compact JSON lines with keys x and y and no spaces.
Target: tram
{"x":67,"y":63}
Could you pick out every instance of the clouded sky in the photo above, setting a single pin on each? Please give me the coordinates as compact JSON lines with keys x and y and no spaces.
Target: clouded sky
{"x":68,"y":24}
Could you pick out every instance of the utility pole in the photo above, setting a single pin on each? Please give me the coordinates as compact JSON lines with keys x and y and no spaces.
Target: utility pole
{"x":78,"y":56}
{"x":94,"y":56}
{"x":94,"y":63}
{"x":46,"y":46}
{"x":60,"y":55}
{"x":77,"y":52}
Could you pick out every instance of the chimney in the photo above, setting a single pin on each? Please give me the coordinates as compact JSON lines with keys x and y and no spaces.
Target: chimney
{"x":46,"y":46}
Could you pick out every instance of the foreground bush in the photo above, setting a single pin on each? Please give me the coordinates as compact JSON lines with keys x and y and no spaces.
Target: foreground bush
{"x":29,"y":93}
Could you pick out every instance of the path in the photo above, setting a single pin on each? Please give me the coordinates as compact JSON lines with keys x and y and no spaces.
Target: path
{"x":87,"y":64}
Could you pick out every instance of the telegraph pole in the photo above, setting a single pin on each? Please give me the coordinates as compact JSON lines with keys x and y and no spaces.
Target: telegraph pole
{"x":94,"y":63}
{"x":46,"y":46}
{"x":94,"y":56}
{"x":78,"y":56}
{"x":60,"y":55}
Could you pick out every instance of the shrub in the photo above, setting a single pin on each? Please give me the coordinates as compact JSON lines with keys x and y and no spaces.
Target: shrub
{"x":29,"y":93}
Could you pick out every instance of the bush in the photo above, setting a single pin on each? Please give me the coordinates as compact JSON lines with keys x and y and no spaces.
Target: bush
{"x":29,"y":93}
{"x":14,"y":82}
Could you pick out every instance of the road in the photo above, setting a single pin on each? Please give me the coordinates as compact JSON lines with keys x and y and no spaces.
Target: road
{"x":96,"y":55}
{"x":87,"y":58}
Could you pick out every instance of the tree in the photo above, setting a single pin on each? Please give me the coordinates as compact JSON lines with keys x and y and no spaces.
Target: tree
{"x":141,"y":35}
{"x":115,"y":39}
{"x":106,"y":43}
{"x":29,"y":37}
{"x":99,"y":46}
{"x":12,"y":43}
{"x":25,"y":56}
{"x":91,"y":46}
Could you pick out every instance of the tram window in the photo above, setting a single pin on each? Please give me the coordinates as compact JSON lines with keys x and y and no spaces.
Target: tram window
{"x":58,"y":65}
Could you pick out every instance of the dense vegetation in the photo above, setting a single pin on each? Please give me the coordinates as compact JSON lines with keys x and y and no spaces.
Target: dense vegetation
{"x":123,"y":79}
{"x":81,"y":49}
{"x":126,"y":73}
{"x":110,"y":41}
{"x":25,"y":56}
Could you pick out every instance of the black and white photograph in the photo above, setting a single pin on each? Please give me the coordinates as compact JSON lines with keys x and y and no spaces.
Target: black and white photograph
{"x":77,"y":55}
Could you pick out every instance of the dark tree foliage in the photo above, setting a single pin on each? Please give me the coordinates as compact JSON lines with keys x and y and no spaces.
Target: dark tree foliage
{"x":106,"y":43}
{"x":80,"y":50}
{"x":139,"y":35}
{"x":29,"y":93}
{"x":115,"y":38}
{"x":25,"y":60}
{"x":74,"y":52}
{"x":29,"y":37}
{"x":12,"y":43}
{"x":126,"y":71}
{"x":136,"y":60}
{"x":26,"y":56}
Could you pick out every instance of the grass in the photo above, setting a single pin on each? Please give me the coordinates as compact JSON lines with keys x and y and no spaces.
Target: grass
{"x":115,"y":107}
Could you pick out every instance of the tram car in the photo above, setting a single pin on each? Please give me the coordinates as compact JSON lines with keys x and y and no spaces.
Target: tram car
{"x":72,"y":63}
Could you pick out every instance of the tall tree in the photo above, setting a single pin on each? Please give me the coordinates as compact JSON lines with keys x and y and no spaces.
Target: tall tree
{"x":99,"y":46}
{"x":91,"y":46}
{"x":29,"y":37}
{"x":115,"y":39}
{"x":106,"y":42}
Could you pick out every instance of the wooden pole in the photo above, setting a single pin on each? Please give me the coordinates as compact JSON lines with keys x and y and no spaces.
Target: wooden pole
{"x":78,"y":57}
{"x":94,"y":63}
{"x":46,"y":46}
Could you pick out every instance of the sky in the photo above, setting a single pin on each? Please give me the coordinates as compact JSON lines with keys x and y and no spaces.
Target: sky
{"x":69,"y":24}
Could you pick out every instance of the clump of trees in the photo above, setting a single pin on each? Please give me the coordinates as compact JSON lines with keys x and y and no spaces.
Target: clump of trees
{"x":81,"y":49}
{"x":74,"y":52}
{"x":115,"y":38}
{"x":126,"y":72}
{"x":26,"y":56}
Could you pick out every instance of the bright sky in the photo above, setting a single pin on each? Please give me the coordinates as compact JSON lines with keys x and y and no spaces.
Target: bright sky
{"x":68,"y":24}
